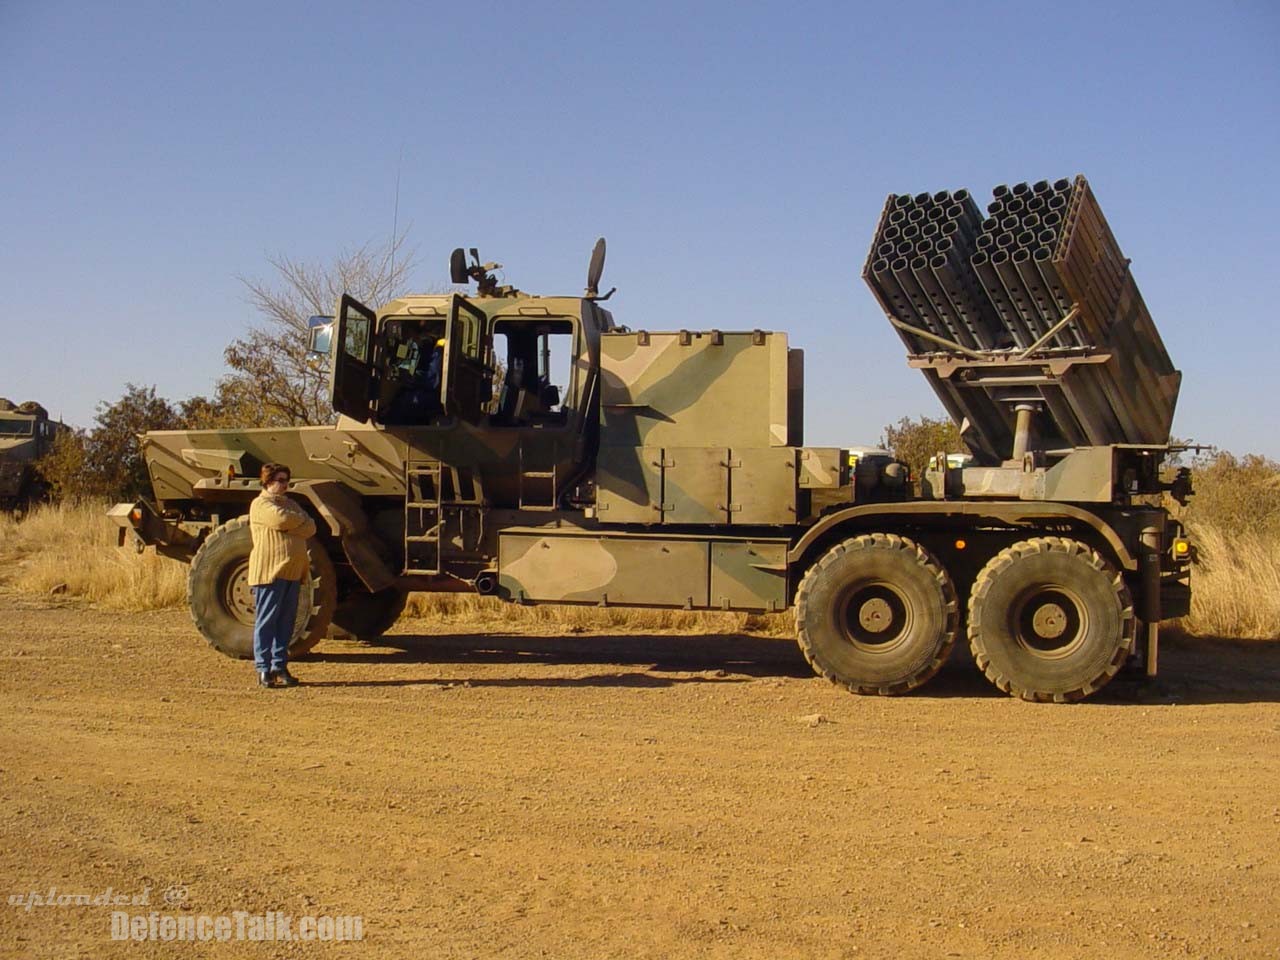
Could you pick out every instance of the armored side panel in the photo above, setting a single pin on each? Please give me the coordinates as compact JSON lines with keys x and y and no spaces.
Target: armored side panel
{"x":695,"y":485}
{"x":636,"y":569}
{"x":762,"y":485}
{"x":749,"y":576}
{"x":681,"y":412}
{"x":633,"y":571}
{"x":629,"y":485}
{"x":690,"y":389}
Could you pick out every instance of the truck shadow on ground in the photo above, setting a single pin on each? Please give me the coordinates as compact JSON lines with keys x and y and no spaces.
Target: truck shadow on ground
{"x":1192,"y":670}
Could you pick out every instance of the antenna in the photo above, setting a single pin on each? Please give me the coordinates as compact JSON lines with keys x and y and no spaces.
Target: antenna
{"x":395,"y":222}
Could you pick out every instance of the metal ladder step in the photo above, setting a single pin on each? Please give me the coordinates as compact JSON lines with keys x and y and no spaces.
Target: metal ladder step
{"x":422,"y":479}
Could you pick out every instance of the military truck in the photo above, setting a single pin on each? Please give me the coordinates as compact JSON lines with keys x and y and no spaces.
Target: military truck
{"x":533,"y":449}
{"x":26,"y":435}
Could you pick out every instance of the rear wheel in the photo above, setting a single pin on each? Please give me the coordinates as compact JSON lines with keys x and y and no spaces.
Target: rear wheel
{"x":876,"y":614}
{"x":1050,"y":620}
{"x":221,"y":599}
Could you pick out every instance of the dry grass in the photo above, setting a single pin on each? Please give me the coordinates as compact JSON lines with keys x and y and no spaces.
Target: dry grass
{"x":468,"y":608}
{"x":1235,"y":585}
{"x":71,"y":548}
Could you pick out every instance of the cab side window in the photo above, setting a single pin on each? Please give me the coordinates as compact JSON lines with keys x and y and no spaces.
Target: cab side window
{"x":533,"y":361}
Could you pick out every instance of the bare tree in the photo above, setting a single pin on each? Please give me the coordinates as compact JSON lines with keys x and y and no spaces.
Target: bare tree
{"x":272,"y":382}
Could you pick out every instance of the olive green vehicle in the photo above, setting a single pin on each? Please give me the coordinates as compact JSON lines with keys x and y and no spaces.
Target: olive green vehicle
{"x":26,"y":435}
{"x":533,"y":449}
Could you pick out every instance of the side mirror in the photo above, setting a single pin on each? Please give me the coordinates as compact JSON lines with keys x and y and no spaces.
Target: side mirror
{"x":319,"y":338}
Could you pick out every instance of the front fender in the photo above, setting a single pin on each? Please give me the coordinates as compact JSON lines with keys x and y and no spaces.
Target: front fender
{"x":343,"y":512}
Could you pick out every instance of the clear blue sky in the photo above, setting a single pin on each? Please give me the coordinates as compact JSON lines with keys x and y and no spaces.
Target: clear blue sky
{"x":736,"y":156}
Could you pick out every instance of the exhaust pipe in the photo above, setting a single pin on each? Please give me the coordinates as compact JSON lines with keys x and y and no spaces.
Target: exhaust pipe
{"x":486,"y":583}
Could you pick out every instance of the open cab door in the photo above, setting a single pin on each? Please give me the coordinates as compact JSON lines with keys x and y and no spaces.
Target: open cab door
{"x":351,"y":359}
{"x":466,"y":381}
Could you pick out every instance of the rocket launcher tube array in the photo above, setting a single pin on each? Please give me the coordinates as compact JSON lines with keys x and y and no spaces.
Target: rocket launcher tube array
{"x":1040,"y":278}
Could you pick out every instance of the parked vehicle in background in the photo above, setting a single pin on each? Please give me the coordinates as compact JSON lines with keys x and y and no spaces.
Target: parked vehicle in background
{"x":26,"y":435}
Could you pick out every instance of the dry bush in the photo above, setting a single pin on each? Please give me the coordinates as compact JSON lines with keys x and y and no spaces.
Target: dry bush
{"x":1236,"y":495}
{"x":72,"y":548}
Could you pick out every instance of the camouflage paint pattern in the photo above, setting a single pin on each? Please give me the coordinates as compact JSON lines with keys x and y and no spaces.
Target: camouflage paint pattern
{"x":694,"y":389}
{"x":588,"y":567}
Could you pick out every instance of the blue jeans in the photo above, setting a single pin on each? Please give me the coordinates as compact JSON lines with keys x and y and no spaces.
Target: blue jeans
{"x":277,"y":608}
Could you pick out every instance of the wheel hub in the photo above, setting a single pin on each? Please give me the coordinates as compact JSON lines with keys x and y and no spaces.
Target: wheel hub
{"x":1049,"y":621}
{"x":876,"y":617}
{"x":238,"y":595}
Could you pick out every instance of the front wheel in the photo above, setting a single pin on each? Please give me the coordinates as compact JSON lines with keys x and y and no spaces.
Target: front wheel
{"x":876,"y":614}
{"x":221,"y":599}
{"x":1050,"y":619}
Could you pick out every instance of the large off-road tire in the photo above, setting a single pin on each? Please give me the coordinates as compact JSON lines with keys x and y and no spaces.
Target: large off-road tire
{"x":877,"y":614}
{"x":222,"y":601}
{"x":1050,"y":620}
{"x":367,"y":616}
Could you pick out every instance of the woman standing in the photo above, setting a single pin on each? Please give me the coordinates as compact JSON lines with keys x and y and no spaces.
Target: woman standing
{"x":278,"y":563}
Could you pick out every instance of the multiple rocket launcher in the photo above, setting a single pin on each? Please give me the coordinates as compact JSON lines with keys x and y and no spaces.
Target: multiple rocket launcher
{"x":1032,"y":304}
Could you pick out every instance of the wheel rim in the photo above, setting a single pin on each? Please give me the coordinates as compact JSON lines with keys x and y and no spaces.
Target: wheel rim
{"x":237,"y":595}
{"x":1049,"y":621}
{"x":874,"y":617}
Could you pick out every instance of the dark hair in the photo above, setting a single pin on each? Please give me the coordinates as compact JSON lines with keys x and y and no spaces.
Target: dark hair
{"x":269,"y":470}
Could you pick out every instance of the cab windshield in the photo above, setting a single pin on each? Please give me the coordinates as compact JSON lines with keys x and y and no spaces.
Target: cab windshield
{"x":16,"y":428}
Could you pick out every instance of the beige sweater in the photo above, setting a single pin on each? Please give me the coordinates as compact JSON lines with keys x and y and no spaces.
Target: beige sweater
{"x":280,"y":529}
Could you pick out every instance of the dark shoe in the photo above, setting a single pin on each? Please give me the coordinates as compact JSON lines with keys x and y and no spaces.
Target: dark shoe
{"x":265,"y":678}
{"x":286,"y":678}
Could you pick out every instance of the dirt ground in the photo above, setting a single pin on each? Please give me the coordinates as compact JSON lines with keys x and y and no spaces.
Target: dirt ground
{"x":484,"y":794}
